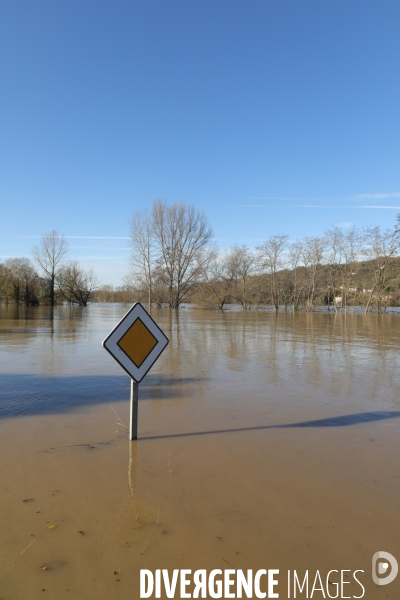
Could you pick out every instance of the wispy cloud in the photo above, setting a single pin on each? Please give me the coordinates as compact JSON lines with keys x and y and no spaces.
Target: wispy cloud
{"x":345,"y":225}
{"x":271,"y":198}
{"x":98,"y":248}
{"x":374,"y":206}
{"x":379,"y":196}
{"x":300,"y":198}
{"x":374,"y":196}
{"x":384,"y":207}
{"x":358,"y":206}
{"x":96,"y":237}
{"x":100,"y":257}
{"x":86,"y":237}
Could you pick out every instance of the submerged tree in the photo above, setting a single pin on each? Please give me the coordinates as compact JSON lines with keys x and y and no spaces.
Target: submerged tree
{"x":143,"y":253}
{"x":3,"y":283}
{"x":271,"y":258}
{"x":295,"y":280}
{"x":382,"y":248}
{"x":76,"y":285}
{"x":170,"y":250}
{"x":242,"y":264}
{"x":219,"y":279}
{"x":313,"y":255}
{"x":49,"y":255}
{"x":21,"y":282}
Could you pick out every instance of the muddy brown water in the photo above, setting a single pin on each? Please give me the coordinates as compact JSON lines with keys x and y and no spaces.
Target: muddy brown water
{"x":266,"y":442}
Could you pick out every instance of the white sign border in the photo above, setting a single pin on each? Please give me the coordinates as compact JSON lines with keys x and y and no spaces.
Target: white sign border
{"x":111,"y":342}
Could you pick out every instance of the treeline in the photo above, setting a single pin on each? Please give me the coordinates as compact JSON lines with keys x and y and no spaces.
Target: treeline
{"x":49,"y":278}
{"x":174,"y":260}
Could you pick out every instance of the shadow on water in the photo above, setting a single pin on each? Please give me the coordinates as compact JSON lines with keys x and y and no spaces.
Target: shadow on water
{"x":23,"y":395}
{"x":341,"y":421}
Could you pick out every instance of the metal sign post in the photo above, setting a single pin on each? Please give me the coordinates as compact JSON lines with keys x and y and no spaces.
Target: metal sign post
{"x":136,"y":343}
{"x":133,"y":420}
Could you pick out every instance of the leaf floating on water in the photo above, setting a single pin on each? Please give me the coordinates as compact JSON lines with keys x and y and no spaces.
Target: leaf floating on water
{"x":27,"y":500}
{"x":115,"y":572}
{"x":44,"y":567}
{"x":81,"y":532}
{"x":51,"y":527}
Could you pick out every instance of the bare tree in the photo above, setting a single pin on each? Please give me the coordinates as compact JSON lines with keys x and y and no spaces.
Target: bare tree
{"x":76,"y":285}
{"x":106,"y":293}
{"x":242,"y":263}
{"x":313,"y":254}
{"x":343,"y":249}
{"x":350,"y":264}
{"x":173,"y":250}
{"x":271,"y":260}
{"x":3,"y":283}
{"x":227,"y":277}
{"x":297,"y":276}
{"x":143,"y":253}
{"x":334,"y":239}
{"x":49,"y":255}
{"x":22,"y":282}
{"x":382,"y":248}
{"x":218,"y":283}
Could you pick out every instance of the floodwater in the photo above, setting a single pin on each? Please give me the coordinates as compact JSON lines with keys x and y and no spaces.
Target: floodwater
{"x":265,"y":442}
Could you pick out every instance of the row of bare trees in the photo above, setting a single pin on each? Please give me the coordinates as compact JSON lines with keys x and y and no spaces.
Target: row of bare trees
{"x":174,"y":261}
{"x":50,"y":279}
{"x":340,"y":269}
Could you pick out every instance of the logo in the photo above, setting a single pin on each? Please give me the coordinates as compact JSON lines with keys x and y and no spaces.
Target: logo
{"x":380,"y":568}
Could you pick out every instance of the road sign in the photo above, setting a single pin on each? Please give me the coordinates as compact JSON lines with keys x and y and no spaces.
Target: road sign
{"x":136,"y":343}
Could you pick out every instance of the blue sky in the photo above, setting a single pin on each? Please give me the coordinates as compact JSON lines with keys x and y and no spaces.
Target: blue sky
{"x":274,"y":116}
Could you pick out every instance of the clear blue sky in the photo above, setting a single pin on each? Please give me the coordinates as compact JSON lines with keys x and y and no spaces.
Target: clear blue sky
{"x":274,"y":116}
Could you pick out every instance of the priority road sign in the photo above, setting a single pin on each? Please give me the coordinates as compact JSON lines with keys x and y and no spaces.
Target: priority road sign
{"x":136,"y":343}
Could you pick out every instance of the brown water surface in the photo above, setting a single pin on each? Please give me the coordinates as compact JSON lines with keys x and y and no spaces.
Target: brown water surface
{"x":265,"y":442}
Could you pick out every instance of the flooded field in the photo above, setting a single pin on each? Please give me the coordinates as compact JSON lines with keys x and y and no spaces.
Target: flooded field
{"x":265,"y":442}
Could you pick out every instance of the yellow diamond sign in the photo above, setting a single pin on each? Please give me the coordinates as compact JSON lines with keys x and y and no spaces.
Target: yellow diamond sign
{"x":136,"y":342}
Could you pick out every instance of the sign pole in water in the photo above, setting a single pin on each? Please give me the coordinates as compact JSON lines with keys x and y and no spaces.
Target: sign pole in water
{"x":133,"y":416}
{"x":136,"y":343}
